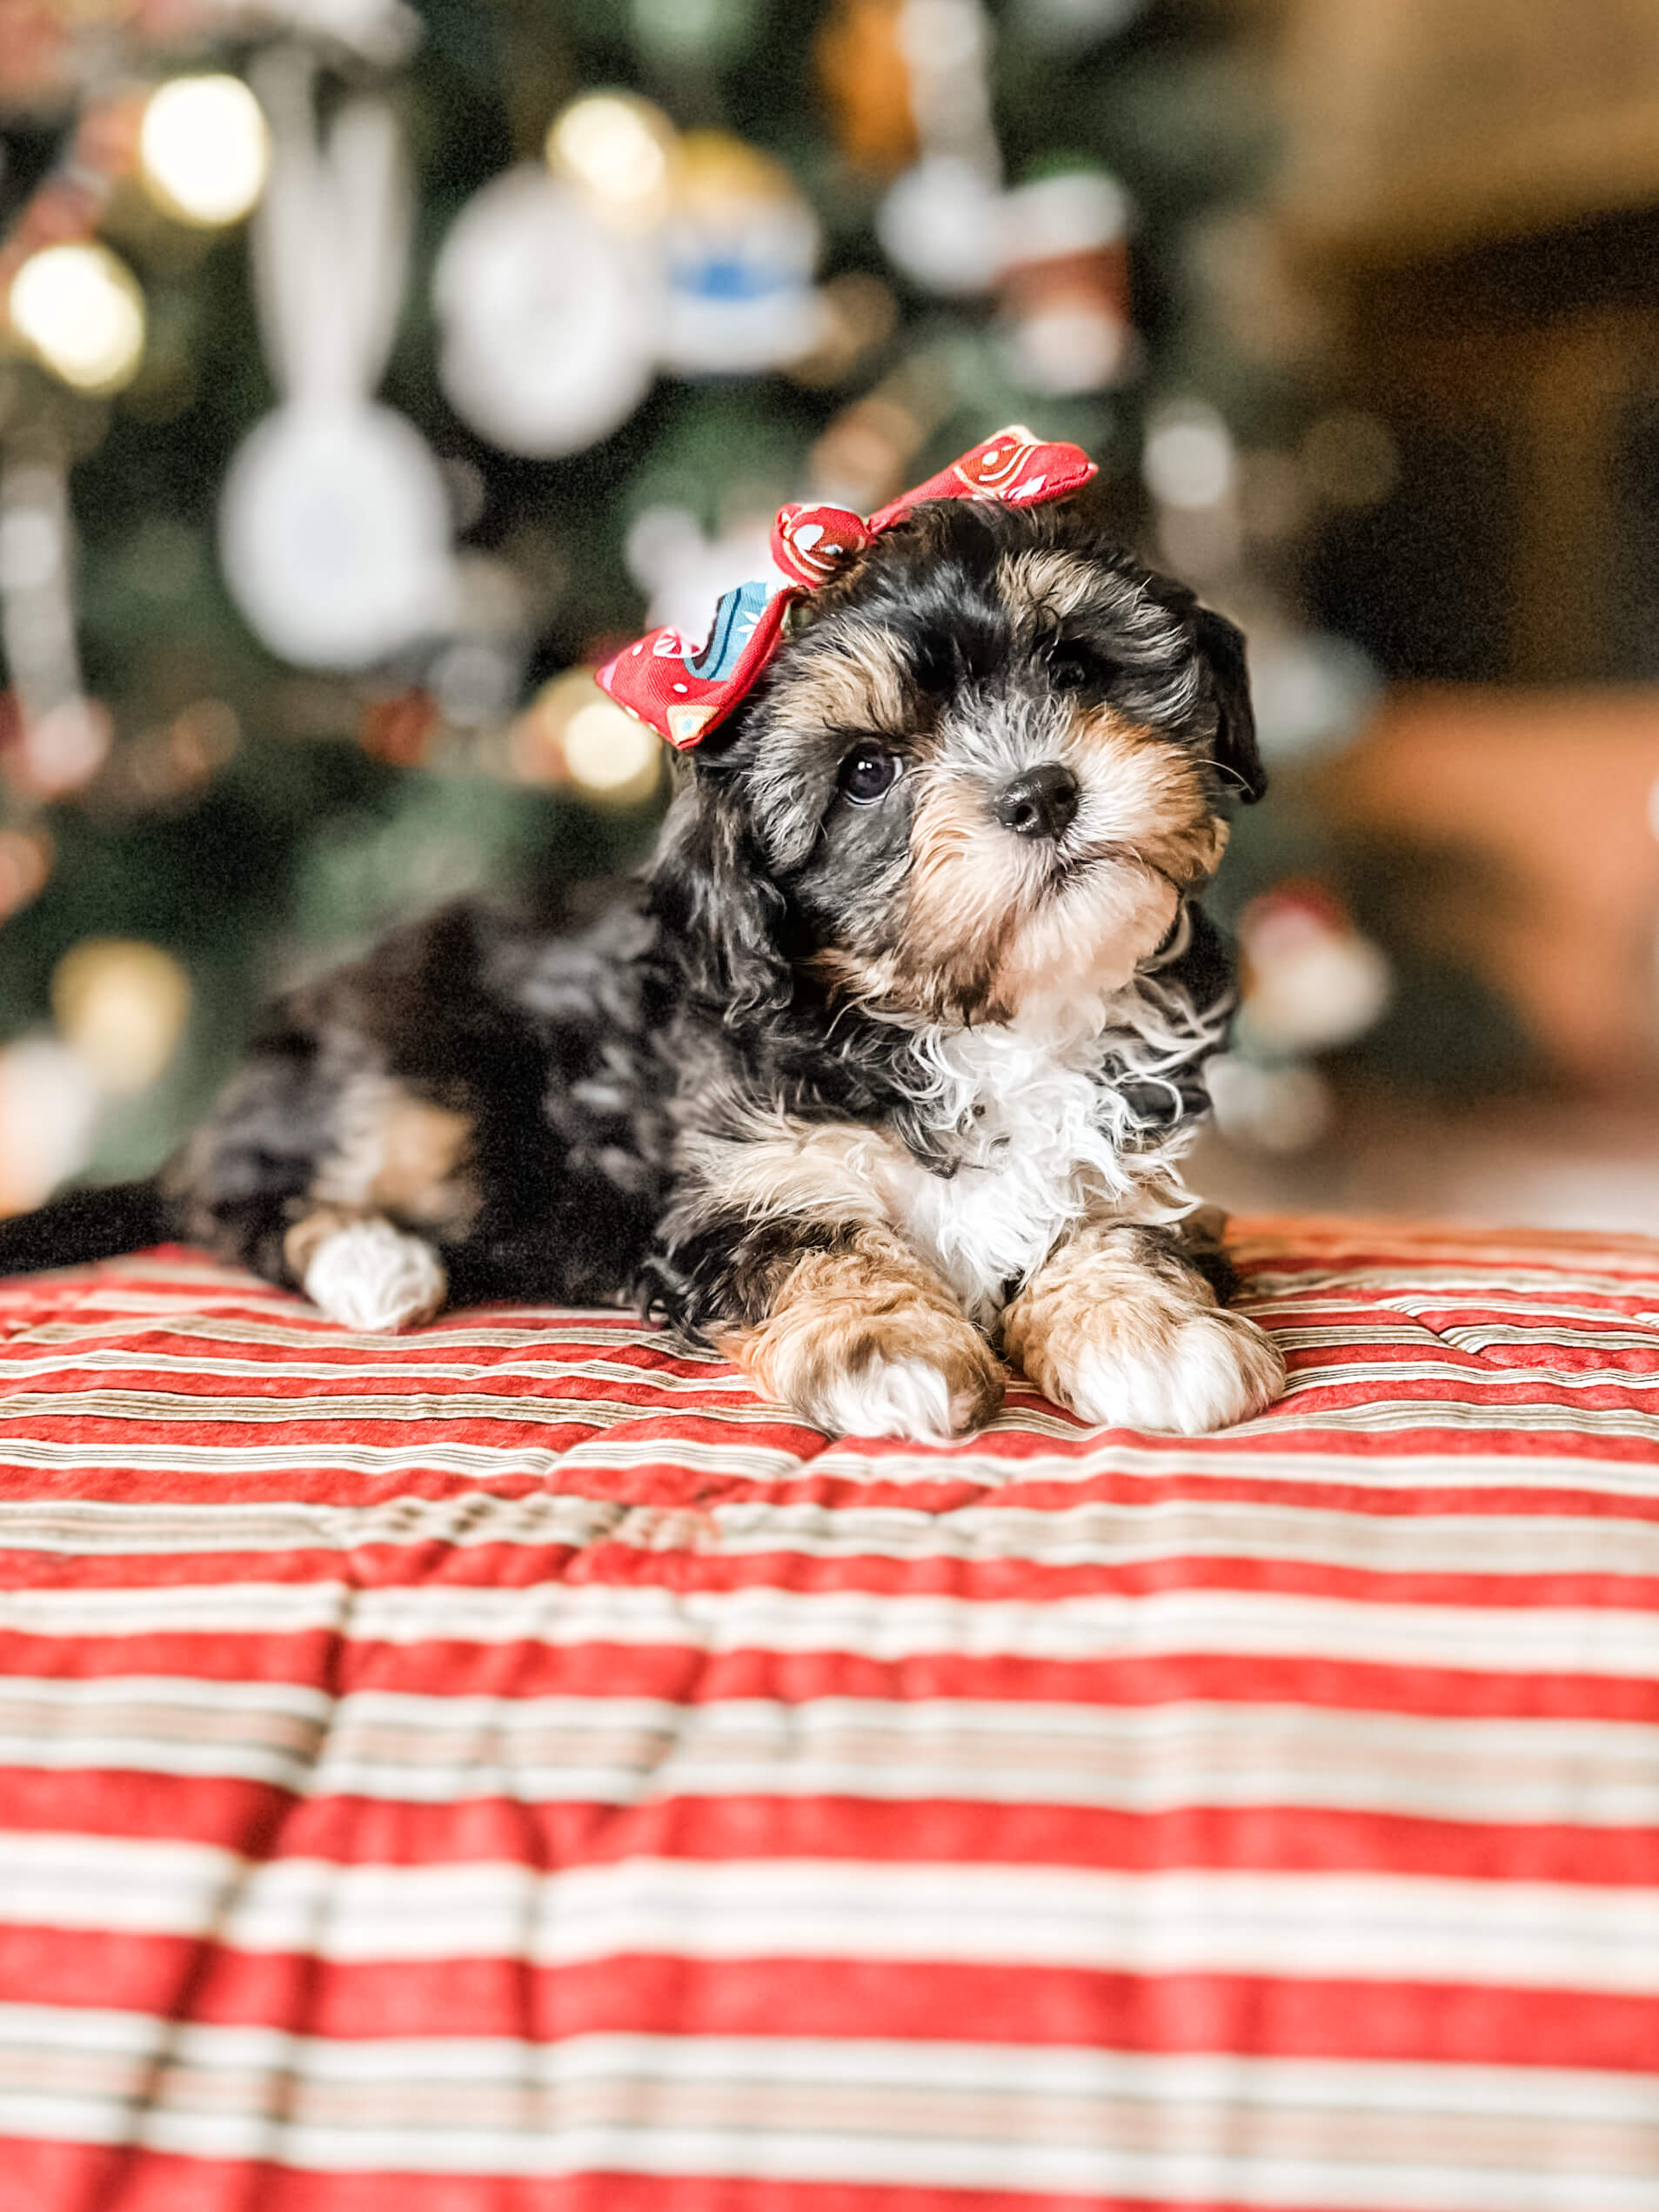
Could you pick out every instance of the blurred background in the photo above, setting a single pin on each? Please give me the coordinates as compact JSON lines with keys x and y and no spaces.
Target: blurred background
{"x":368,"y":372}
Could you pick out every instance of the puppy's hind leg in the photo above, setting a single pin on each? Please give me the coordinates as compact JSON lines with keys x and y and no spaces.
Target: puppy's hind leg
{"x":395,"y":1165}
{"x":363,"y":1273}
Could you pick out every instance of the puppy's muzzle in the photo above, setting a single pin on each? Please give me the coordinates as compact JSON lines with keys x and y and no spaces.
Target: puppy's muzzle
{"x":1041,"y":802}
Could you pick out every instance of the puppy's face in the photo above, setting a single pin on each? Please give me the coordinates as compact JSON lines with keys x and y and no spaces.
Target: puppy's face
{"x":985,"y":769}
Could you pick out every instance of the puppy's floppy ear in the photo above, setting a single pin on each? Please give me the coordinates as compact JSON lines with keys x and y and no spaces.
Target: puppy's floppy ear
{"x":712,"y":893}
{"x":1221,"y":644}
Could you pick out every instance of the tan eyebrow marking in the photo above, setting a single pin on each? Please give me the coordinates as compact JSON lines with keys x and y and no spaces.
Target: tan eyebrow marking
{"x":860,"y":680}
{"x":1047,"y":585}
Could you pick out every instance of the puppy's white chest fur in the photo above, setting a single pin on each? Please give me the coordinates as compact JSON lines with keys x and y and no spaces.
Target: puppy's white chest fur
{"x":1037,"y":1138}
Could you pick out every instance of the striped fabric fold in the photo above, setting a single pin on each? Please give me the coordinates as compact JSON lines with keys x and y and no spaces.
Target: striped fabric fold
{"x":510,"y":1767}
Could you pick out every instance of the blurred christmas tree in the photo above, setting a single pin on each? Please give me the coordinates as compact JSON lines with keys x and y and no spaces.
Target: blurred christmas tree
{"x":311,"y":523}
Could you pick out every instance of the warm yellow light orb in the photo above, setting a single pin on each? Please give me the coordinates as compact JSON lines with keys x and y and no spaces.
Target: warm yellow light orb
{"x":122,"y":1005}
{"x":80,"y":312}
{"x":204,"y":149}
{"x":617,"y":147}
{"x":610,"y":756}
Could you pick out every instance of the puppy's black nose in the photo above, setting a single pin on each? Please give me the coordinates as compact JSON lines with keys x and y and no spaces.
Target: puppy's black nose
{"x":1039,"y":803}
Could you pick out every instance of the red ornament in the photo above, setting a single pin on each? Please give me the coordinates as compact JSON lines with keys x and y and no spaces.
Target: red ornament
{"x":683,"y":690}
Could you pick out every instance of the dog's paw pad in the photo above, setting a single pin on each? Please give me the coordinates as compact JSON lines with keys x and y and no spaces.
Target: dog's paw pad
{"x":371,"y":1277}
{"x":1213,"y":1370}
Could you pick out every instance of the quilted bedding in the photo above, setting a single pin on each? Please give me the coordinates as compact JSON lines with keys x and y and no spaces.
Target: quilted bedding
{"x":510,"y":1766}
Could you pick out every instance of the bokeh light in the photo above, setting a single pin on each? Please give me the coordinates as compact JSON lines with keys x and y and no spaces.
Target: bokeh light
{"x":121,"y":1005}
{"x":610,"y":756}
{"x":1188,"y":460}
{"x":204,"y":149}
{"x":62,"y":750}
{"x":79,"y":310}
{"x":572,"y":734}
{"x":25,"y":863}
{"x":618,"y":149}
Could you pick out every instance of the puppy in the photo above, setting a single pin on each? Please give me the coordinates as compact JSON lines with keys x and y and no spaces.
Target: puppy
{"x":888,"y":1064}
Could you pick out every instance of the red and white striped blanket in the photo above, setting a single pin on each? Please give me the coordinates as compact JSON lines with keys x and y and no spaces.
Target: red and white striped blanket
{"x":511,"y":1766}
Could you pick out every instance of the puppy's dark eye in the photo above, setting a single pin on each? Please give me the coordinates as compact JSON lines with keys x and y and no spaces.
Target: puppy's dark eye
{"x":867,"y":771}
{"x":1074,"y":667}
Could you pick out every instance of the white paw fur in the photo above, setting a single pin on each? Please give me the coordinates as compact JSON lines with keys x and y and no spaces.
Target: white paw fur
{"x":894,"y":1397}
{"x":371,"y":1277}
{"x":1215,"y":1369}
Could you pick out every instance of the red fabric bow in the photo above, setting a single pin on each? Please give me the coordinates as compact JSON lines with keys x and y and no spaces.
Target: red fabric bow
{"x":682,"y":689}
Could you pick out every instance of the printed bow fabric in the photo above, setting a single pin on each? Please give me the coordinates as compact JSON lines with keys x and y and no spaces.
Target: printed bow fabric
{"x":683,"y":689}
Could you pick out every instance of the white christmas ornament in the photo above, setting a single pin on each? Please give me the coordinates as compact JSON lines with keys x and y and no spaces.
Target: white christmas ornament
{"x":1268,"y":1110}
{"x":1313,"y":982}
{"x":942,"y":223}
{"x":334,"y":523}
{"x":549,"y":321}
{"x":334,"y":533}
{"x":382,"y":32}
{"x":1065,"y":266}
{"x":685,"y":573}
{"x":48,"y":1106}
{"x":740,"y":245}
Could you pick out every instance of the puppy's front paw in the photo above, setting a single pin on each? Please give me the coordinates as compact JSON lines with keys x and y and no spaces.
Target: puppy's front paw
{"x":1118,"y":1328}
{"x":1204,"y":1372}
{"x":890,"y":1380}
{"x":866,"y":1344}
